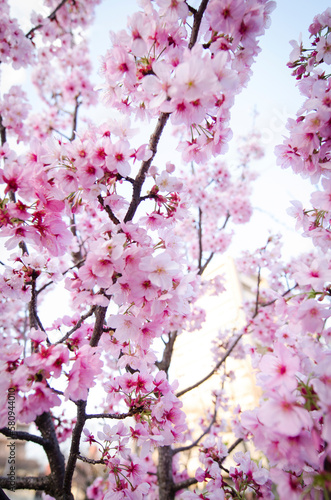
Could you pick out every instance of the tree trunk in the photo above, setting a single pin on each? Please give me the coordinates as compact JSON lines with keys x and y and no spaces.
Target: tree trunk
{"x":164,"y":474}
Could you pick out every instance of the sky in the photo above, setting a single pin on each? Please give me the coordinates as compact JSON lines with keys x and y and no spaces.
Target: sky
{"x":272,"y":97}
{"x":268,"y":101}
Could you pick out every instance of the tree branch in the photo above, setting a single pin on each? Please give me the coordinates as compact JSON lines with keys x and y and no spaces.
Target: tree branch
{"x":90,"y":460}
{"x":109,"y":211}
{"x":117,"y":416}
{"x":51,"y":17}
{"x":2,"y":132}
{"x":98,"y":325}
{"x":197,"y":22}
{"x":78,"y":325}
{"x":74,"y":449}
{"x":139,"y":180}
{"x":196,"y":442}
{"x":257,"y":293}
{"x":46,"y":427}
{"x":33,"y":314}
{"x":224,"y":357}
{"x":184,"y":484}
{"x":233,"y":446}
{"x":200,"y":241}
{"x":27,"y":483}
{"x":202,"y":269}
{"x":75,"y":117}
{"x":167,"y":353}
{"x":23,"y":436}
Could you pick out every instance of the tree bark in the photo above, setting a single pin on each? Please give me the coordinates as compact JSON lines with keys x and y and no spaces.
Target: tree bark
{"x":164,"y":474}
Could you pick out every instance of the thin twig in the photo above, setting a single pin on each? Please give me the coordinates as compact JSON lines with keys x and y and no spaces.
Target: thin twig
{"x":109,"y":211}
{"x":200,"y":240}
{"x":211,"y":373}
{"x":77,"y":325}
{"x":257,"y":292}
{"x":75,"y":117}
{"x":196,"y":442}
{"x":51,"y":17}
{"x":233,"y":446}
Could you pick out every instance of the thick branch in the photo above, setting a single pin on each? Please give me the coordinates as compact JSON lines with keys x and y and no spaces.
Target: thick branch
{"x":139,"y":180}
{"x":23,"y":436}
{"x":26,"y":483}
{"x":2,"y":132}
{"x":98,"y":326}
{"x":211,"y":373}
{"x":197,"y":22}
{"x":33,"y":315}
{"x":167,"y":353}
{"x":164,"y":473}
{"x":46,"y":427}
{"x":74,"y":449}
{"x":51,"y":17}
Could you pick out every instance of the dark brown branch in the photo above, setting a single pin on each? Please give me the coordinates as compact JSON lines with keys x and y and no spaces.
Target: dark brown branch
{"x":184,"y":484}
{"x":74,"y":119}
{"x":74,"y":449}
{"x":33,"y":314}
{"x":233,"y":446}
{"x":211,"y":373}
{"x":78,"y":325}
{"x":202,"y":269}
{"x":139,"y":180}
{"x":257,"y":293}
{"x":2,"y":132}
{"x":109,"y":211}
{"x":90,"y":460}
{"x":200,"y":241}
{"x":167,"y":353}
{"x":46,"y":427}
{"x":27,"y":483}
{"x":3,"y":495}
{"x":283,"y":295}
{"x":118,"y":416}
{"x":23,"y":436}
{"x":51,"y":17}
{"x":196,"y":442}
{"x":191,"y":9}
{"x":98,"y":325}
{"x":51,"y":282}
{"x":197,"y":22}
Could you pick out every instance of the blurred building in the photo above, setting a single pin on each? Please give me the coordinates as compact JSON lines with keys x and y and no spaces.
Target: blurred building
{"x":193,"y":358}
